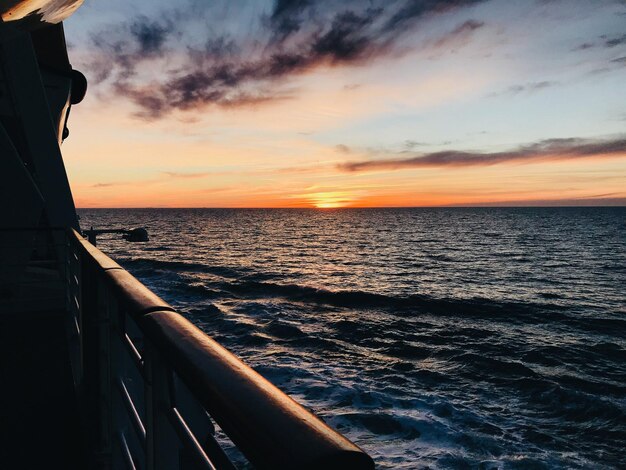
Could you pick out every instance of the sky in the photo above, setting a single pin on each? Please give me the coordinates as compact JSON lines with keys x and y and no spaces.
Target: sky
{"x":303,"y":103}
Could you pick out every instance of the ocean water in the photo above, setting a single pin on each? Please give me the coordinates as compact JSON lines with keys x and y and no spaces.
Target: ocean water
{"x":439,"y":338}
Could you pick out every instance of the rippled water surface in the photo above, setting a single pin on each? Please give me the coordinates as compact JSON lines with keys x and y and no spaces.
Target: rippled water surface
{"x":448,"y":338}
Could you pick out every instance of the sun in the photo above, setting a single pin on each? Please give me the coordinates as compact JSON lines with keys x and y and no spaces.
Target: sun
{"x":331,"y":199}
{"x":329,"y":205}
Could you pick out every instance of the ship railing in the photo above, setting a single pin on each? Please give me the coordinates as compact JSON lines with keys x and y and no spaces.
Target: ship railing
{"x":158,"y":393}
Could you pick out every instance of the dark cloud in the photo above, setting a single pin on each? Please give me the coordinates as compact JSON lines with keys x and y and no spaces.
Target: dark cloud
{"x":150,"y":35}
{"x":121,"y":48}
{"x":348,"y":38}
{"x":412,"y":10}
{"x":526,"y":88}
{"x":584,"y":46}
{"x":616,"y":41}
{"x":287,"y":16}
{"x":603,"y":41}
{"x":551,"y":149}
{"x":293,"y":38}
{"x":458,"y":34}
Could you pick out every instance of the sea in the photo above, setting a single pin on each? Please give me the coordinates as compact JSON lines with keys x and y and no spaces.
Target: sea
{"x":432,"y":338}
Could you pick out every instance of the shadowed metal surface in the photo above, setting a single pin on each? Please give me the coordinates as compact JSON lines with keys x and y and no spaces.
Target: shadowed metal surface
{"x":38,"y":414}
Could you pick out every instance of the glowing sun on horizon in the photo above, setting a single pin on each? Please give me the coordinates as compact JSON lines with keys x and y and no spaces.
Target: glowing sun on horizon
{"x":330,"y":200}
{"x":329,"y":205}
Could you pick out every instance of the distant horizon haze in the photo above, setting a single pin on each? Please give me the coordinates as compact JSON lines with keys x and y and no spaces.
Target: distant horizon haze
{"x":599,"y":203}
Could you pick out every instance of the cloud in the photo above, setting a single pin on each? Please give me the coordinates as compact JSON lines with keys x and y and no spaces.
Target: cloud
{"x":412,"y":144}
{"x":166,"y":175}
{"x":615,"y":41}
{"x":287,"y":17}
{"x":603,"y":41}
{"x":122,"y":47}
{"x":550,"y":149}
{"x":458,"y":35}
{"x":600,"y":196}
{"x":526,"y":88}
{"x":150,"y":35}
{"x":412,"y":10}
{"x":584,"y":46}
{"x":592,"y":201}
{"x":294,"y":37}
{"x":180,"y":175}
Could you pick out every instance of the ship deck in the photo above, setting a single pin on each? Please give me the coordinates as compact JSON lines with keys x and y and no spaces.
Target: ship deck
{"x":39,"y":424}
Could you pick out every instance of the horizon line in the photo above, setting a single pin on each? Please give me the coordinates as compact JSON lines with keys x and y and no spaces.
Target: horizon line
{"x":458,"y":206}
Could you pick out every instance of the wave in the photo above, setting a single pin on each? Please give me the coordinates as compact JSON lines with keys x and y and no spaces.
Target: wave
{"x":442,"y":258}
{"x":399,"y":305}
{"x":142,"y":264}
{"x":479,"y":364}
{"x":157,"y":248}
{"x":244,"y":283}
{"x":384,"y":424}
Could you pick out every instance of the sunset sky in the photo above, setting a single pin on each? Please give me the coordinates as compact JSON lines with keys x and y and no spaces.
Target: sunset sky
{"x":302,"y":103}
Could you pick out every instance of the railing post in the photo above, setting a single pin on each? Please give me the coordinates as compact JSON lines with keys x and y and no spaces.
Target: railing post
{"x":93,"y":345}
{"x":106,"y":308}
{"x":116,"y":372}
{"x":71,"y":271}
{"x":162,"y":444}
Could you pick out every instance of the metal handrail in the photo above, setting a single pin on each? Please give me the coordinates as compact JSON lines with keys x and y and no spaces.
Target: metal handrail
{"x":129,"y":336}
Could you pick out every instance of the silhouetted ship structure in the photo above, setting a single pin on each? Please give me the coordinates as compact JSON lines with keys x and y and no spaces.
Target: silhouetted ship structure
{"x":96,"y":370}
